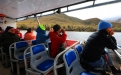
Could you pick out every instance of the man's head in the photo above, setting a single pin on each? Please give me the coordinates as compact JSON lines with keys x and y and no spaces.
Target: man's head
{"x":57,"y":28}
{"x":11,"y":30}
{"x":103,"y":25}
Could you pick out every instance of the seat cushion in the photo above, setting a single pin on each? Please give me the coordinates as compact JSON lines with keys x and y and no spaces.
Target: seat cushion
{"x":45,"y":65}
{"x":22,"y":56}
{"x":86,"y":73}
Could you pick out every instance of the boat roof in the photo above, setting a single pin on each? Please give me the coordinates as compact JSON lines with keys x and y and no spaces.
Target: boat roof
{"x":16,"y":9}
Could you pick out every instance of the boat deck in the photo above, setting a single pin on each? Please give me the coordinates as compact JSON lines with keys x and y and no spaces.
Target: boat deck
{"x":4,"y":71}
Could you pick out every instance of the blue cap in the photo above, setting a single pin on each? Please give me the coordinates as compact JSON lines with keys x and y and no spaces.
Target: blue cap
{"x":103,"y":25}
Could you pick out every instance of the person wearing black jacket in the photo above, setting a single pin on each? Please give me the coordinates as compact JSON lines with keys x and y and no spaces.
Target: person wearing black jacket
{"x":8,"y":38}
{"x":95,"y":46}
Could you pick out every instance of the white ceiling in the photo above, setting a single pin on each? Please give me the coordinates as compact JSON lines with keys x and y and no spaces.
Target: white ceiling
{"x":20,"y":8}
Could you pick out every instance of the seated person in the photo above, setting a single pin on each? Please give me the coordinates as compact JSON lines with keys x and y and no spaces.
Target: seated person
{"x":57,"y":37}
{"x":41,"y":36}
{"x":8,"y":38}
{"x":95,"y":46}
{"x":29,"y":35}
{"x":6,"y":30}
{"x":17,"y":31}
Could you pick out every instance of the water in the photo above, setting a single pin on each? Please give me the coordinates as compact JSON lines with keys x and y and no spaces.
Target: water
{"x":84,"y":35}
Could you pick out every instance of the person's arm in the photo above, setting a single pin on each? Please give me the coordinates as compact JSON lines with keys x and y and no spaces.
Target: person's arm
{"x":111,"y":42}
{"x":105,"y":57}
{"x":62,"y":38}
{"x":113,"y":39}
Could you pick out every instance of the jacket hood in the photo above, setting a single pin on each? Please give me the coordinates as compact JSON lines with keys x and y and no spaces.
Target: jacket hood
{"x":39,"y":30}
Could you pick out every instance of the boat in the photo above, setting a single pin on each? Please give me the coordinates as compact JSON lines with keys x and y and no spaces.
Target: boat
{"x":17,"y":10}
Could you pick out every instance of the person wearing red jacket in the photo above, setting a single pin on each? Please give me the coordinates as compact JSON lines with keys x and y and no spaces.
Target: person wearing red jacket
{"x":17,"y":31}
{"x":57,"y":37}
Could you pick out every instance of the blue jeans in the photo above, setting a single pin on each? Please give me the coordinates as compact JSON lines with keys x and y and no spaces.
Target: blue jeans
{"x":98,"y":64}
{"x":101,"y":63}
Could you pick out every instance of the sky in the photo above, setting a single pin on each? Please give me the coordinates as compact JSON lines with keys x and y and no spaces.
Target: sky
{"x":105,"y":12}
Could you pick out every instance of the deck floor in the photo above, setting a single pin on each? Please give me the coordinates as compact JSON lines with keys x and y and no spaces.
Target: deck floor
{"x":4,"y":71}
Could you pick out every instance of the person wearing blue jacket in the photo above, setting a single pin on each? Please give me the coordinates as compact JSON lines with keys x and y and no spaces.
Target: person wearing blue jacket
{"x":41,"y":36}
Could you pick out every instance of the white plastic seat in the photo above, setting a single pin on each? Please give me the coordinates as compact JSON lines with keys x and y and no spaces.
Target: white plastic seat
{"x":16,"y":51}
{"x":72,"y":64}
{"x":40,"y":61}
{"x":19,"y":48}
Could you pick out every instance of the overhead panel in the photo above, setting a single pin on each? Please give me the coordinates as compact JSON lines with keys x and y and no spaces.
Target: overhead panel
{"x":20,"y":8}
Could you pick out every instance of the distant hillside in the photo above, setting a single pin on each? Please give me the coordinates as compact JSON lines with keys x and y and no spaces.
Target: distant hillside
{"x":66,"y":22}
{"x":92,"y":20}
{"x":117,"y":21}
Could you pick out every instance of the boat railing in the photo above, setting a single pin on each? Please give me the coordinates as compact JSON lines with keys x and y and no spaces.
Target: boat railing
{"x":118,"y":53}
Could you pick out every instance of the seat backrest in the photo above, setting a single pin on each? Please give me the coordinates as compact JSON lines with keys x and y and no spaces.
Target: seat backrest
{"x":78,"y":49}
{"x":71,"y":62}
{"x":49,"y":47}
{"x":38,"y":55}
{"x":19,"y":48}
{"x":34,"y":42}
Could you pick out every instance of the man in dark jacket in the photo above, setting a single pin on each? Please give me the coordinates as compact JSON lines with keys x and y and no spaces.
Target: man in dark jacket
{"x":8,"y":38}
{"x":96,"y":43}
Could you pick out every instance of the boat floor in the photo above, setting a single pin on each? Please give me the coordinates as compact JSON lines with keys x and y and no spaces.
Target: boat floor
{"x":6,"y":71}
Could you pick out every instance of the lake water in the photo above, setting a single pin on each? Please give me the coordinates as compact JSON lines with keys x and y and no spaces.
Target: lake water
{"x":84,"y":35}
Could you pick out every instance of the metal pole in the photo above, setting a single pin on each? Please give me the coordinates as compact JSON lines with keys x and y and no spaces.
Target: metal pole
{"x":37,"y":20}
{"x":93,"y":2}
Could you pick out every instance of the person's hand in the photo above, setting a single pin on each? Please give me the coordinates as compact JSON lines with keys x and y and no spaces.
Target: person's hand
{"x":110,"y":31}
{"x":51,"y":29}
{"x":63,"y":31}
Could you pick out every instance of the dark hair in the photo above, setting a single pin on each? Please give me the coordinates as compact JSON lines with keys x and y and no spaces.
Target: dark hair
{"x":56,"y":27}
{"x":7,"y":29}
{"x":29,"y":30}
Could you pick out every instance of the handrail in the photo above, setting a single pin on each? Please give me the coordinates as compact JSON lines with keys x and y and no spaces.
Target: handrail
{"x":119,"y":47}
{"x":25,"y":61}
{"x":56,"y":58}
{"x":10,"y":48}
{"x":10,"y":54}
{"x":118,"y":54}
